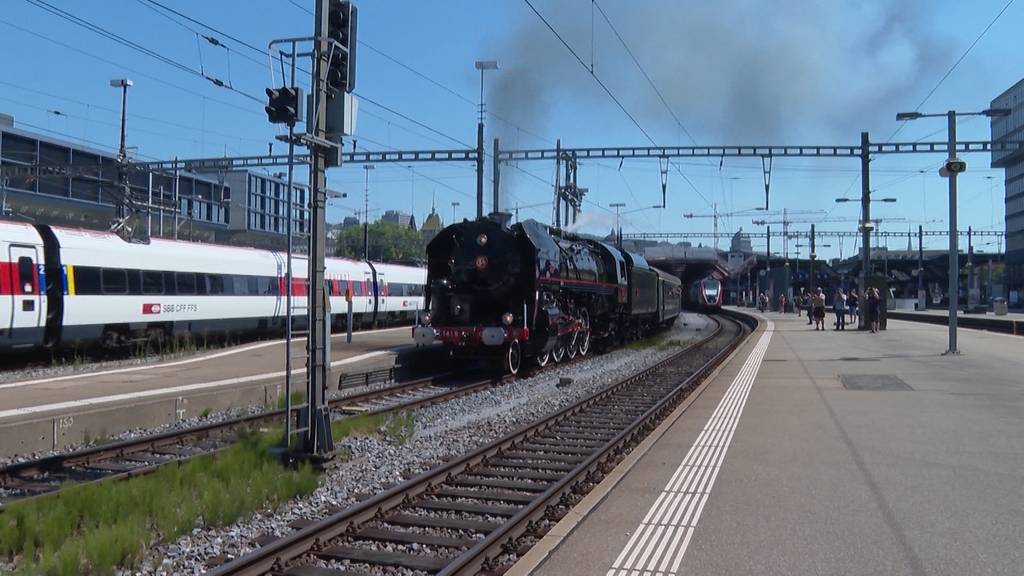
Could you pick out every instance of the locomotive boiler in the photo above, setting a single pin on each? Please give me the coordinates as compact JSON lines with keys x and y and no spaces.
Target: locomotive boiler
{"x":528,"y":291}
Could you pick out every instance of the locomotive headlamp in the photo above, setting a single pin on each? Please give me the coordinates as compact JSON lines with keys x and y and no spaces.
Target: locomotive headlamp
{"x":480,"y":262}
{"x":507,"y":318}
{"x":481,"y":240}
{"x":425,"y":318}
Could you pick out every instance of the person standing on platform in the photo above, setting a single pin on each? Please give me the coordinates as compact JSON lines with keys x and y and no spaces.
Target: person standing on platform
{"x":871,"y":310}
{"x":808,"y":304}
{"x":851,"y":304}
{"x":818,"y":305}
{"x":762,"y":302}
{"x":798,"y":302}
{"x":839,"y":306}
{"x":782,"y":303}
{"x":878,"y":311}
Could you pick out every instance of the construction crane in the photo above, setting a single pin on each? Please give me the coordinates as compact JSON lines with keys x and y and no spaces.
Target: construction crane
{"x":716,"y":215}
{"x":786,"y":221}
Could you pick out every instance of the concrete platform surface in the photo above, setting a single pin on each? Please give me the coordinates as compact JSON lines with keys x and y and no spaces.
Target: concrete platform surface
{"x":50,"y":412}
{"x":914,"y":466}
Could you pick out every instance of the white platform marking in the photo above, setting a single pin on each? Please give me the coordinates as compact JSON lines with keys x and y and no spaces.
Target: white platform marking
{"x":659,"y":543}
{"x":77,"y":404}
{"x":193,"y":360}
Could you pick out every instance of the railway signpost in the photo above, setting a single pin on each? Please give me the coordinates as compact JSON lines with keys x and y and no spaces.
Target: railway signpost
{"x":330,"y":117}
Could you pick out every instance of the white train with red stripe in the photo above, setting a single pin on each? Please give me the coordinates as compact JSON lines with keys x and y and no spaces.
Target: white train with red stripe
{"x":69,"y":287}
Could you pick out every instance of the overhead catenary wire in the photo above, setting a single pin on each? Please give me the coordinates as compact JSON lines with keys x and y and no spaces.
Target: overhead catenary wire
{"x":101,"y":31}
{"x":466,"y":99}
{"x":954,"y":66}
{"x":612,"y":96}
{"x":135,"y":71}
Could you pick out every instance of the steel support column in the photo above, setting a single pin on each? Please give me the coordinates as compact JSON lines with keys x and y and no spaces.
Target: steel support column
{"x":865,"y":222}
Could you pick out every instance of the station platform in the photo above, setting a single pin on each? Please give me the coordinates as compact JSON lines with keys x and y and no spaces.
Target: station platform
{"x":46,"y":413}
{"x":1011,"y":323}
{"x":820,"y":453}
{"x":943,"y":313}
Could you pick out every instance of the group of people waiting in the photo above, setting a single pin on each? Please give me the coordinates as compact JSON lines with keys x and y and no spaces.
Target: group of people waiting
{"x":843,"y":304}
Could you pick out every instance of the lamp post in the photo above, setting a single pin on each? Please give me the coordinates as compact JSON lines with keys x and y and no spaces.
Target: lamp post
{"x":123,"y":84}
{"x":866,"y":226}
{"x":950,"y":170}
{"x":482,"y":65}
{"x":618,"y":232}
{"x":454,"y":204}
{"x":366,"y":211}
{"x":122,"y":150}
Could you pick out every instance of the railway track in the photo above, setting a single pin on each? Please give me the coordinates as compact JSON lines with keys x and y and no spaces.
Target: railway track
{"x":477,"y":513}
{"x":144,"y":455}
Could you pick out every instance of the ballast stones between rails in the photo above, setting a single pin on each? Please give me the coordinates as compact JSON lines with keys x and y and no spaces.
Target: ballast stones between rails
{"x":441,"y":518}
{"x":444,"y":432}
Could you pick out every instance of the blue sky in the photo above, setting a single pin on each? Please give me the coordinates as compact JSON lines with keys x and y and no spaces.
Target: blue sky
{"x":734,"y":72}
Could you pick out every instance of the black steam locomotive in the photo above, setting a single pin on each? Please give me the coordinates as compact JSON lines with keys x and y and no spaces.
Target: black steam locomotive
{"x":528,"y":291}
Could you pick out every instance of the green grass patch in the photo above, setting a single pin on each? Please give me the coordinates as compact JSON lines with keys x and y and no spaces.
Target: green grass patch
{"x":298,"y":397}
{"x":396,"y":427}
{"x":673,"y":343}
{"x":648,"y":342}
{"x":95,"y":528}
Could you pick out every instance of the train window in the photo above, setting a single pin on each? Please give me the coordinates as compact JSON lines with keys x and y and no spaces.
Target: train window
{"x":114,"y":280}
{"x":215,"y":283}
{"x":27,"y":275}
{"x":252,"y":285}
{"x":87,"y":280}
{"x":266,"y":285}
{"x":201,"y":283}
{"x":239,"y":286}
{"x":152,"y":282}
{"x":134,"y":281}
{"x":185,"y":282}
{"x":170,"y":287}
{"x":357,"y":288}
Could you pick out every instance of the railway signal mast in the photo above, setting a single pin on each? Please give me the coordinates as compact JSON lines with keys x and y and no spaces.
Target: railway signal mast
{"x":331,"y":116}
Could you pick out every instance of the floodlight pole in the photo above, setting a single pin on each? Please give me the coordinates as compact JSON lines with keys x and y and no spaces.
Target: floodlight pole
{"x":954,"y":257}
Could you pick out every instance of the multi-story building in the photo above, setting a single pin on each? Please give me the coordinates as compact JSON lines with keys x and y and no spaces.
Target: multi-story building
{"x":401,"y":218}
{"x":86,"y":195}
{"x":259,"y":210}
{"x":1011,"y":128}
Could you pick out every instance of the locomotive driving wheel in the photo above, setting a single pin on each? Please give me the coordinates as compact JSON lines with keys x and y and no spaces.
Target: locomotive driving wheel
{"x":583,"y":337}
{"x":543,"y":358}
{"x":558,"y":352}
{"x":513,"y":358}
{"x":574,"y":345}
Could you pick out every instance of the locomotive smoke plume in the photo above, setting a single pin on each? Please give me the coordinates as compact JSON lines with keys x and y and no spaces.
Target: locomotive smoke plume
{"x":592,"y":220}
{"x":744,"y":71}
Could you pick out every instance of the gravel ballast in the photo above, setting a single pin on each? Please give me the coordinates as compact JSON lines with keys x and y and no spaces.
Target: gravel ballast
{"x":443,"y":431}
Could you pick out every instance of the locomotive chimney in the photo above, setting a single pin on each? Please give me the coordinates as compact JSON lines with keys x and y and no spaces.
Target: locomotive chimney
{"x":503,"y":218}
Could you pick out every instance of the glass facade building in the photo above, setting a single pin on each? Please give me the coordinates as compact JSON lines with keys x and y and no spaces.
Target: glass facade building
{"x":1011,"y":128}
{"x":87,"y":195}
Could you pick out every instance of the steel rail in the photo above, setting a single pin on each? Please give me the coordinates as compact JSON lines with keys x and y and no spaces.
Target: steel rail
{"x":35,"y":471}
{"x":275,"y":556}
